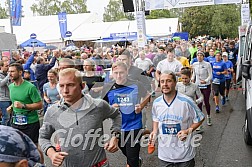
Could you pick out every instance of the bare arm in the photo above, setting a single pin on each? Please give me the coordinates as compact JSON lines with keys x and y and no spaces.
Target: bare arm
{"x":144,"y":102}
{"x":157,"y":75}
{"x":34,"y":106}
{"x":153,"y":135}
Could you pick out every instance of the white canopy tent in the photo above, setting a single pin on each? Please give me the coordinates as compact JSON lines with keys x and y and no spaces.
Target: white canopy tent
{"x":47,"y":27}
{"x":84,"y":27}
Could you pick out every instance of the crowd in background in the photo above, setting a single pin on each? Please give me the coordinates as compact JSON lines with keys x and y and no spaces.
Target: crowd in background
{"x":201,"y":66}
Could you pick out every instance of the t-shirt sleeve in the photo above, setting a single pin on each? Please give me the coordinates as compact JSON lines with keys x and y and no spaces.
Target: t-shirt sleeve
{"x":179,"y":67}
{"x":224,"y":66}
{"x":159,"y":66}
{"x":154,"y":114}
{"x":150,"y":62}
{"x":196,"y":113}
{"x":45,"y":88}
{"x":231,"y":64}
{"x":34,"y":94}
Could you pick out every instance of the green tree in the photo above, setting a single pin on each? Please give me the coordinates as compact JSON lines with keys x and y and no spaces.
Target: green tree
{"x":214,"y":20}
{"x":250,"y":6}
{"x":160,"y":13}
{"x":226,"y":20}
{"x":48,"y":7}
{"x":114,"y":12}
{"x":3,"y":13}
{"x":197,"y":20}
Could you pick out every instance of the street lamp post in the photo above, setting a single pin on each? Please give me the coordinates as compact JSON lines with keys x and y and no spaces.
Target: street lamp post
{"x":9,"y":4}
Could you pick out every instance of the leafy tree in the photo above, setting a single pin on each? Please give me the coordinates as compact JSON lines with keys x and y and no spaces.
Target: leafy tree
{"x":214,"y":20}
{"x":3,"y":13}
{"x":160,"y":13}
{"x":197,"y":20}
{"x":75,"y":6}
{"x":114,"y":12}
{"x":250,"y":6}
{"x":226,"y":20}
{"x":48,"y":7}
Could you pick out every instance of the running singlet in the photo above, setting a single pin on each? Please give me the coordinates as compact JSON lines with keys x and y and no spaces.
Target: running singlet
{"x":127,"y":96}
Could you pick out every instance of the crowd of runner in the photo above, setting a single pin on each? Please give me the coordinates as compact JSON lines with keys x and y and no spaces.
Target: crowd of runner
{"x":75,"y":92}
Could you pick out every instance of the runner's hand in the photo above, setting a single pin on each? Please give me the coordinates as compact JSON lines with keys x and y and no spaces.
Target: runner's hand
{"x":112,"y":145}
{"x":138,"y":108}
{"x":48,"y":101}
{"x":18,"y":104}
{"x":202,"y":82}
{"x":115,"y":105}
{"x":9,"y":109}
{"x":57,"y":158}
{"x":152,"y":138}
{"x":182,"y":135}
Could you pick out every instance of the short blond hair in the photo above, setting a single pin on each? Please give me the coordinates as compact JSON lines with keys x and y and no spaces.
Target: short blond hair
{"x":71,"y":71}
{"x":119,"y":64}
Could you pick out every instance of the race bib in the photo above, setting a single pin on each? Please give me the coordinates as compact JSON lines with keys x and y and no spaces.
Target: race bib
{"x":20,"y":119}
{"x":216,"y":81}
{"x":202,"y":86}
{"x":171,"y":129}
{"x":123,"y":100}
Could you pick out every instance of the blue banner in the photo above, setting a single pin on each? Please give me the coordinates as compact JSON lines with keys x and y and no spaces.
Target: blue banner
{"x":62,"y":24}
{"x":123,"y":35}
{"x":16,"y":12}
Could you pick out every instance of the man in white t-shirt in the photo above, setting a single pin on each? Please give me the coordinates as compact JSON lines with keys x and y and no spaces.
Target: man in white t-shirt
{"x":175,"y":117}
{"x":142,"y":62}
{"x":170,"y":64}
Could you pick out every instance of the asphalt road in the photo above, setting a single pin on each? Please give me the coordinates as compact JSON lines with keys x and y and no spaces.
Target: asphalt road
{"x":222,"y":143}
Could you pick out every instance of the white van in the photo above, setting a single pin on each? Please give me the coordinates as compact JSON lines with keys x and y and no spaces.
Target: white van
{"x":244,"y":72}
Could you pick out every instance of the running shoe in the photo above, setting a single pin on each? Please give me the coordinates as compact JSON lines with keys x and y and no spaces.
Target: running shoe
{"x":140,"y":161}
{"x":200,"y":129}
{"x":217,"y":109}
{"x":223,"y":100}
{"x":227,"y":99}
{"x":209,"y":121}
{"x":234,"y":86}
{"x":39,"y":165}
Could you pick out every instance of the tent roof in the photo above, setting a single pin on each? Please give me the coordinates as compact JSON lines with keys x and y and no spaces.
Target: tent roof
{"x":32,"y":43}
{"x":47,"y":27}
{"x":85,"y":26}
{"x":154,"y":27}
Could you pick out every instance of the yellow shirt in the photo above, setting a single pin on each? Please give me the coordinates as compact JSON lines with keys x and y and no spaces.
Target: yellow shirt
{"x":184,"y":61}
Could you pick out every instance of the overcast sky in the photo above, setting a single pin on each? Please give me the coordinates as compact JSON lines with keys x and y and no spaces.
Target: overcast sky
{"x":93,"y":6}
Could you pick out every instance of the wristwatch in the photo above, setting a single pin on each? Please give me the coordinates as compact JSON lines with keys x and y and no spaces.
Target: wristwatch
{"x":23,"y":106}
